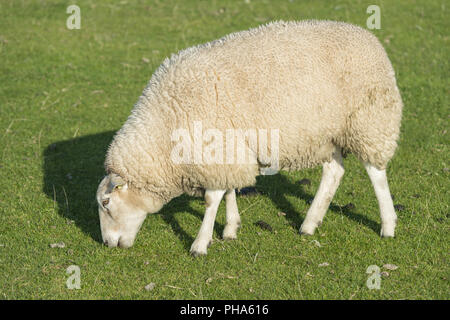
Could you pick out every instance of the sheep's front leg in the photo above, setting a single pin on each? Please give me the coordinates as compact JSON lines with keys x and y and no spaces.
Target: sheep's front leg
{"x":233,"y":219}
{"x":387,"y":211}
{"x":331,"y":177}
{"x":204,"y":237}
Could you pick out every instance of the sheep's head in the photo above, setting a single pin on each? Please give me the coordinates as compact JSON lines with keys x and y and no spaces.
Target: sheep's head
{"x":122,"y":211}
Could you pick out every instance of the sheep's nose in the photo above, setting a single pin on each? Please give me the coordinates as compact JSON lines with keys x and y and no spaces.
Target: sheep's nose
{"x":111,"y":243}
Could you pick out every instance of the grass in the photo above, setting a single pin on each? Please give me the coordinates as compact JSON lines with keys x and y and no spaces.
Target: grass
{"x":63,"y":94}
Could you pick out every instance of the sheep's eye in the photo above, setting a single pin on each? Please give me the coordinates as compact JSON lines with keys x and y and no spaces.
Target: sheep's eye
{"x":118,"y":187}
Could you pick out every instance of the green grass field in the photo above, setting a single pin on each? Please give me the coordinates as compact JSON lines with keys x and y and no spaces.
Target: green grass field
{"x":63,"y":94}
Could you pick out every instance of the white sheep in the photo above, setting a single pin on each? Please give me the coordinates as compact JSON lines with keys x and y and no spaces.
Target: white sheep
{"x":322,"y":87}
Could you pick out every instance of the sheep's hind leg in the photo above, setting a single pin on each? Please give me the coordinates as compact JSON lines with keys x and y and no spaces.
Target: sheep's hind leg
{"x":331,"y":177}
{"x":387,"y":211}
{"x":204,"y":237}
{"x":233,"y":219}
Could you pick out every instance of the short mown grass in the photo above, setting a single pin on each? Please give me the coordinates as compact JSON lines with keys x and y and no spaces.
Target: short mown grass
{"x":63,"y":94}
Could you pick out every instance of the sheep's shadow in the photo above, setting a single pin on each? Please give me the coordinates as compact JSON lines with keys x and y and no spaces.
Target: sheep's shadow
{"x":72,"y":171}
{"x":74,"y":168}
{"x":277,"y":187}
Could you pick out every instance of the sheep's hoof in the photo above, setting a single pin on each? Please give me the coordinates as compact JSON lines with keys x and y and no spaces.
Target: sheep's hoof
{"x":387,"y":234}
{"x":197,"y":253}
{"x":307,"y":229}
{"x":199,"y":248}
{"x":229,"y":237}
{"x":388,"y":230}
{"x":230,"y":233}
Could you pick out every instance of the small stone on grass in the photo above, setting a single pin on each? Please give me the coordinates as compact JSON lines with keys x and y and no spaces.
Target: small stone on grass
{"x":349,"y":206}
{"x":150,"y":286}
{"x":263,"y":225}
{"x":390,"y":266}
{"x":304,"y":182}
{"x":248,"y":191}
{"x":317,"y":243}
{"x":58,"y":245}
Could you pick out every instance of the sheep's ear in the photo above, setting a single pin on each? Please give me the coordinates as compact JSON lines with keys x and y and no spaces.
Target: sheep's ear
{"x":116,"y":183}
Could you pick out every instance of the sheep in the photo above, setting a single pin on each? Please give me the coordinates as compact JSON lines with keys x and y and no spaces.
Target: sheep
{"x":323,"y":88}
